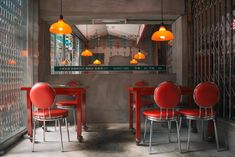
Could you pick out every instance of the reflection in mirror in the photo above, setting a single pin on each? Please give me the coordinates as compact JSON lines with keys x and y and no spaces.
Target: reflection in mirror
{"x":110,"y":44}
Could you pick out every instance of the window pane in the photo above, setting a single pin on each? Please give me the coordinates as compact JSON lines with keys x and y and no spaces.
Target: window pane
{"x":13,"y":59}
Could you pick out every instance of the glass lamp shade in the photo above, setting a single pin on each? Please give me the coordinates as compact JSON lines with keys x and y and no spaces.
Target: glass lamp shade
{"x":11,"y":62}
{"x":162,"y":35}
{"x":97,"y":62}
{"x":133,"y":61}
{"x":60,"y":27}
{"x":87,"y":53}
{"x":23,"y":53}
{"x":139,"y":56}
{"x":64,"y":62}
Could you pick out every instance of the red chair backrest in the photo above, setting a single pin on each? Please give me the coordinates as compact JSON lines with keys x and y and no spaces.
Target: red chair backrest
{"x":72,"y":83}
{"x":42,"y":95}
{"x":167,"y":95}
{"x":141,"y":83}
{"x":206,"y":94}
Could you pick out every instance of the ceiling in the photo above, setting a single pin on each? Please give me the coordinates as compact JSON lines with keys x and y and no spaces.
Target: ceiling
{"x":127,"y":31}
{"x":133,"y":11}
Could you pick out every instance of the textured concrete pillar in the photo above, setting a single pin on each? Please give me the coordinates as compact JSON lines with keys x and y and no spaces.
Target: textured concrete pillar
{"x":180,"y":50}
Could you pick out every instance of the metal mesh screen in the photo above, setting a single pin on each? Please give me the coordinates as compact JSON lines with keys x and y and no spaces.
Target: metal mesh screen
{"x":214,"y":56}
{"x":13,"y":59}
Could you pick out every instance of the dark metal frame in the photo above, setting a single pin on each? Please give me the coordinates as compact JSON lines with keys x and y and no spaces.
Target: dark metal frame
{"x":214,"y":56}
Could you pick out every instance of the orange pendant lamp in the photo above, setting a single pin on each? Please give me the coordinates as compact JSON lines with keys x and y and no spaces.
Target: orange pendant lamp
{"x":133,"y":61}
{"x":60,"y":27}
{"x":87,"y":52}
{"x":64,"y":62}
{"x":97,"y":62}
{"x":139,"y":56}
{"x":162,"y":34}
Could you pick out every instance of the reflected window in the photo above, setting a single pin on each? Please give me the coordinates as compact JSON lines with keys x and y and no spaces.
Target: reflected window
{"x":65,"y":51}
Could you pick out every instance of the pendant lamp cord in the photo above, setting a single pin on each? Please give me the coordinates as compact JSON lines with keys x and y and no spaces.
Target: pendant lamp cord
{"x":61,"y":16}
{"x":97,"y":40}
{"x":86,"y":37}
{"x":162,"y":11}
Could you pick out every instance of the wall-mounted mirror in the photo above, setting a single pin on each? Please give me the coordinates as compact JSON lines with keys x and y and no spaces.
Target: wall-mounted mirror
{"x":110,"y":45}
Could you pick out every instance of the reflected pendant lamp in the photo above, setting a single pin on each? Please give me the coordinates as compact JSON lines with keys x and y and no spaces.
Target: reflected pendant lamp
{"x":162,"y":34}
{"x":64,"y":62}
{"x":60,"y":27}
{"x":139,"y":56}
{"x":87,"y":52}
{"x":97,"y":62}
{"x":11,"y":62}
{"x":133,"y":61}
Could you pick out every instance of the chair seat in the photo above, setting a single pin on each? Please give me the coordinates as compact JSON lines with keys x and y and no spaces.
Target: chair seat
{"x":66,"y":103}
{"x":156,"y":113}
{"x":195,"y":112}
{"x":52,"y":113}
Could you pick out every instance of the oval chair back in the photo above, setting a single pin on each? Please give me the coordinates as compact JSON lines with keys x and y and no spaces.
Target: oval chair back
{"x":42,"y":95}
{"x":167,"y":96}
{"x":72,"y":83}
{"x":206,"y":95}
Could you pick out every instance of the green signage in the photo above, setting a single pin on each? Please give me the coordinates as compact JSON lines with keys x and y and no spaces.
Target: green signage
{"x":110,"y":68}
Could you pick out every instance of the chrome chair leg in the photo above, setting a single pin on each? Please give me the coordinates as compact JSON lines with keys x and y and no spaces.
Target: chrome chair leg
{"x":44,"y":130}
{"x":61,"y":140}
{"x":150,"y":137}
{"x":178,"y":135}
{"x":169,"y":131}
{"x":180,"y":122}
{"x":145,"y":129}
{"x":189,"y":130}
{"x":55,"y":124}
{"x":203,"y":130}
{"x":67,"y":127}
{"x":216,"y":136}
{"x":34,"y":132}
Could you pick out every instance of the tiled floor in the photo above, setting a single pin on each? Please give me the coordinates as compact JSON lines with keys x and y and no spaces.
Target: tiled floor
{"x":112,"y":140}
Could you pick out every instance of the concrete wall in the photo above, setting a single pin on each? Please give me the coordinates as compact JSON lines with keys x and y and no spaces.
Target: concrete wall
{"x":180,"y":50}
{"x":226,"y":133}
{"x":107,"y":95}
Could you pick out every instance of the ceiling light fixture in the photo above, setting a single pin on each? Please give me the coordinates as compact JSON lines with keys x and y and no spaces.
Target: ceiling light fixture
{"x":60,"y":27}
{"x":97,"y":62}
{"x":109,"y":21}
{"x":87,"y":52}
{"x":139,"y":56}
{"x":64,"y":62}
{"x":134,"y":61}
{"x":162,"y":34}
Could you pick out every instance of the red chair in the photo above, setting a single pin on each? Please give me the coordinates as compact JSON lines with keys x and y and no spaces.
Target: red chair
{"x":206,"y":96}
{"x":42,"y":96}
{"x":167,"y":96}
{"x":69,"y":104}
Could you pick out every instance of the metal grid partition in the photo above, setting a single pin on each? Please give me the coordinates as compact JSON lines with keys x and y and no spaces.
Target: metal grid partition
{"x":13,"y":59}
{"x":214,"y":56}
